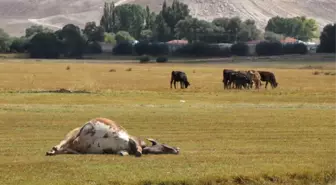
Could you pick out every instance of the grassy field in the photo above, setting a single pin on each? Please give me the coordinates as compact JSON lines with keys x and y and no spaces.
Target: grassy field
{"x":275,"y":136}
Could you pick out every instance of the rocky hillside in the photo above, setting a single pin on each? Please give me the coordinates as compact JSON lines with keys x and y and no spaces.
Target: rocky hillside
{"x":16,"y":15}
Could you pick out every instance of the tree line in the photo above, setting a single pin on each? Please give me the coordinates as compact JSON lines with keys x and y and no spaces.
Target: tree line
{"x":128,"y":22}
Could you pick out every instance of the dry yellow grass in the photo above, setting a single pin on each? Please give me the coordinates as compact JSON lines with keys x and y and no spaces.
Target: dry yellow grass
{"x":280,"y":136}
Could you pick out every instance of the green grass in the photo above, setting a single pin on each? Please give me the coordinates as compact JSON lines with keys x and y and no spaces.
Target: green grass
{"x":280,"y":136}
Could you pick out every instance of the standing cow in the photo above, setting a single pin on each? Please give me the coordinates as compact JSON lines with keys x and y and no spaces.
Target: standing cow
{"x":227,"y":78}
{"x":179,"y":76}
{"x":104,"y":136}
{"x":256,"y":78}
{"x":268,"y":77}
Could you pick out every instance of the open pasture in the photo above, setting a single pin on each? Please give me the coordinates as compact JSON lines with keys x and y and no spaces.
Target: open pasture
{"x":275,"y":136}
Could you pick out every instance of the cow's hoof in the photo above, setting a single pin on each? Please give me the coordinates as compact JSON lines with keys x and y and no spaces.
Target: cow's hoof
{"x":123,"y":153}
{"x":50,"y":153}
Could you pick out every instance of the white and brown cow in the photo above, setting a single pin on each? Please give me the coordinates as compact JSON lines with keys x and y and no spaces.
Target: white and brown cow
{"x":104,"y":136}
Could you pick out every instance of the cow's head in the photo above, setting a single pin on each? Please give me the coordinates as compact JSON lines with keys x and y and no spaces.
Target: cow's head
{"x":158,"y":148}
{"x":275,"y":84}
{"x":187,"y":84}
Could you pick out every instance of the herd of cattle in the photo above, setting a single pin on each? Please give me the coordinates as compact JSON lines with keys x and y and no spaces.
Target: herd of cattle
{"x":232,"y":79}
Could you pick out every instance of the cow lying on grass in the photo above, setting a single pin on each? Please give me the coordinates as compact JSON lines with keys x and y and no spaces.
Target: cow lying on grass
{"x":104,"y":136}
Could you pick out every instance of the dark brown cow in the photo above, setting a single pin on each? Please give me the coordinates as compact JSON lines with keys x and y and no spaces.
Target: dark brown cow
{"x":179,"y":76}
{"x":268,"y":77}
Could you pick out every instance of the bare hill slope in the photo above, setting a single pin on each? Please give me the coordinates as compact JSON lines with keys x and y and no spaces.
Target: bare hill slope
{"x":16,"y":15}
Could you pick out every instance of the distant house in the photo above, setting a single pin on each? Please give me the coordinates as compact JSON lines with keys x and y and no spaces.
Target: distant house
{"x":176,"y":44}
{"x":289,"y":40}
{"x":106,"y":47}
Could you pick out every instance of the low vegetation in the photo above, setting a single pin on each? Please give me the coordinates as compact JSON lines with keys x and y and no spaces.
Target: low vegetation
{"x":276,"y":136}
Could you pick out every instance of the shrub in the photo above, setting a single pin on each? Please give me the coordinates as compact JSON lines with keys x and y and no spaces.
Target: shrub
{"x":202,"y":49}
{"x":142,"y":48}
{"x":159,"y":49}
{"x":161,"y":59}
{"x":144,"y":59}
{"x":123,"y":48}
{"x":269,"y":48}
{"x":297,"y":48}
{"x":44,"y":45}
{"x":240,"y":49}
{"x":154,"y":49}
{"x":94,"y":48}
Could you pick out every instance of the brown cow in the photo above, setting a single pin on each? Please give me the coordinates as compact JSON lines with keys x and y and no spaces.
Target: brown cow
{"x":104,"y":136}
{"x":256,"y":78}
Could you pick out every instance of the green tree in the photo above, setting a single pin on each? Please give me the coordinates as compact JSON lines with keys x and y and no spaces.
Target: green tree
{"x":149,"y":19}
{"x":109,"y":38}
{"x":193,"y":30}
{"x":161,"y":31}
{"x":74,"y":43}
{"x":146,"y":35}
{"x":327,"y":39}
{"x":122,"y":36}
{"x":5,"y":41}
{"x":248,"y":31}
{"x":107,"y":20}
{"x":130,"y":18}
{"x":273,"y":36}
{"x":44,"y":45}
{"x":174,"y":13}
{"x":93,"y":32}
{"x":19,"y":44}
{"x":297,"y":27}
{"x":37,"y":29}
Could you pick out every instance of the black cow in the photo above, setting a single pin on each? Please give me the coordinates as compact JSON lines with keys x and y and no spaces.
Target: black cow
{"x":240,"y":80}
{"x":268,"y":77}
{"x":226,"y":77}
{"x":179,"y":76}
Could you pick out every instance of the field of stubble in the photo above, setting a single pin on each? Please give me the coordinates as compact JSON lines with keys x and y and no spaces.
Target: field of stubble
{"x":274,"y":136}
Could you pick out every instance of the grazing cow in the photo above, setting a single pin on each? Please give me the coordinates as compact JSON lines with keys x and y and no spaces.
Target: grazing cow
{"x":255,"y":77}
{"x":240,"y":80}
{"x":104,"y":136}
{"x":226,"y":77}
{"x":268,"y":77}
{"x":179,"y":76}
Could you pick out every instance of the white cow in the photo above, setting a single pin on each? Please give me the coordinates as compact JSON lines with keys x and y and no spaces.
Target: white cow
{"x":104,"y":136}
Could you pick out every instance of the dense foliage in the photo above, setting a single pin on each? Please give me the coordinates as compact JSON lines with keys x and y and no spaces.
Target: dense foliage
{"x":327,"y":38}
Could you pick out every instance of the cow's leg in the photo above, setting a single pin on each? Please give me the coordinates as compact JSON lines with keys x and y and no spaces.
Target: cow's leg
{"x":266,"y":84}
{"x":181,"y":84}
{"x":123,"y":153}
{"x":135,"y":147}
{"x":62,"y":147}
{"x":175,"y":84}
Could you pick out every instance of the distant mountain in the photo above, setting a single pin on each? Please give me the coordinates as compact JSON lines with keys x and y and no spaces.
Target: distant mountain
{"x":16,"y":15}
